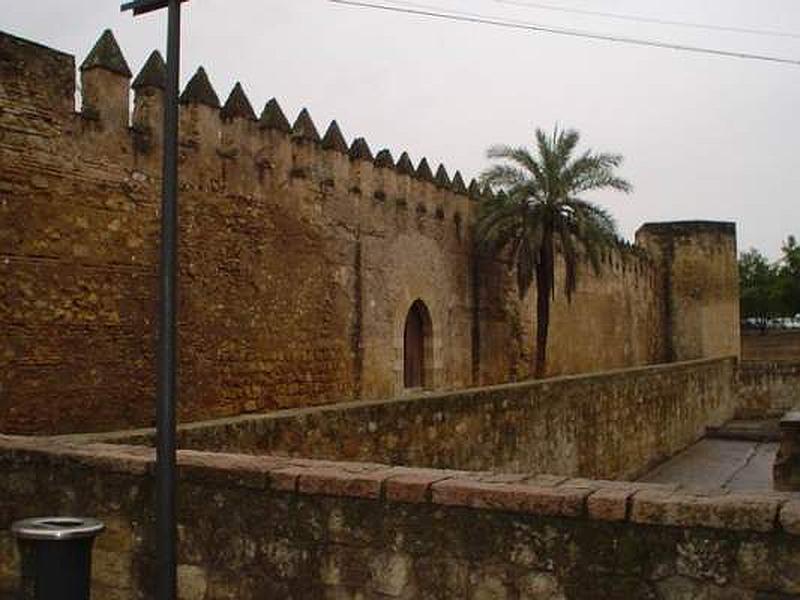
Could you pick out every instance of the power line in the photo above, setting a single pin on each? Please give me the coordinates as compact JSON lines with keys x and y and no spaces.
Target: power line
{"x":656,"y":21}
{"x":465,"y":17}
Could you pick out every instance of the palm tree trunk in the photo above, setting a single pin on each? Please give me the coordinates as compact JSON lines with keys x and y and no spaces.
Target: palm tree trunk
{"x":544,"y":288}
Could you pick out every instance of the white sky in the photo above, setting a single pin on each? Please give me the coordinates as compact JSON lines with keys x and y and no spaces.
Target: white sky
{"x":703,"y":137}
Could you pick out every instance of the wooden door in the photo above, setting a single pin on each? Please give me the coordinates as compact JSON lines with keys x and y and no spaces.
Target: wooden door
{"x":414,"y":349}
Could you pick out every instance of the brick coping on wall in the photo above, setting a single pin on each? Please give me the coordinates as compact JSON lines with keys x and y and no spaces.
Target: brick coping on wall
{"x":543,"y":495}
{"x":142,"y":434}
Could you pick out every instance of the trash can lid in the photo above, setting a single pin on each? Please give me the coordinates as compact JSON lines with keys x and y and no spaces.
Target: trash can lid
{"x":57,"y":528}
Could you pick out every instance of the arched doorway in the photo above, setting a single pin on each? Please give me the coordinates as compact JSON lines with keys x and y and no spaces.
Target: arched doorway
{"x":417,"y":347}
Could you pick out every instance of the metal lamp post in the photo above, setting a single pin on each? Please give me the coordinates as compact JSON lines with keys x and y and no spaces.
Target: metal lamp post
{"x":166,"y":526}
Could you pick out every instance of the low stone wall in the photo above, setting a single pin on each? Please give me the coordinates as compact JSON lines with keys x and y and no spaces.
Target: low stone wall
{"x":614,"y":425}
{"x":774,"y":344}
{"x":786,"y":470}
{"x":768,"y":386}
{"x":269,"y":527}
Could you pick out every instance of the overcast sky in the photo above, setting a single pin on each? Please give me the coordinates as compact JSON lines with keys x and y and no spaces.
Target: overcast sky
{"x":703,"y":137}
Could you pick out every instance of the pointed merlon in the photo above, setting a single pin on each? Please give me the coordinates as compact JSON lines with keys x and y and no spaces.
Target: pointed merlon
{"x":237,"y":105}
{"x":333,"y":139}
{"x":106,"y":55}
{"x":359,"y":150}
{"x":423,"y":172}
{"x":384,"y":159}
{"x":272,"y":117}
{"x":304,"y":128}
{"x":488,"y":194}
{"x":442,"y":178}
{"x":153,"y":73}
{"x":458,"y":184}
{"x":474,"y":189}
{"x":404,"y":165}
{"x":200,"y":91}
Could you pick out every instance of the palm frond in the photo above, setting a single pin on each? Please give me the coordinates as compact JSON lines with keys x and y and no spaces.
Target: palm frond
{"x":538,"y":202}
{"x":502,"y":176}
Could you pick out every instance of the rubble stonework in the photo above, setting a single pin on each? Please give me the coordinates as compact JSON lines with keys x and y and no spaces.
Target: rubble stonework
{"x":299,"y":260}
{"x":277,"y":527}
{"x":615,"y":425}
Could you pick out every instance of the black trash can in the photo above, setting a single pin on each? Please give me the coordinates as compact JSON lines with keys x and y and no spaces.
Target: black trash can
{"x":56,"y":557}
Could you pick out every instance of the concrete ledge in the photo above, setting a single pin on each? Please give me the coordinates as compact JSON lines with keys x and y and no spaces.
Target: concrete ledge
{"x":534,"y":494}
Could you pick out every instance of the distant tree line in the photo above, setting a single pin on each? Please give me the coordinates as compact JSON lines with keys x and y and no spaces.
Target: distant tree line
{"x":770,"y":290}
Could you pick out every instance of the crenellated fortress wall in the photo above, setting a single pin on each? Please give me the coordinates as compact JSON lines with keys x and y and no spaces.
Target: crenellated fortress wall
{"x":300,"y":257}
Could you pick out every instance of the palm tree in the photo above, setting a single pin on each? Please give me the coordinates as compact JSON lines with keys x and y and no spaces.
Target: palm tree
{"x":537,"y":210}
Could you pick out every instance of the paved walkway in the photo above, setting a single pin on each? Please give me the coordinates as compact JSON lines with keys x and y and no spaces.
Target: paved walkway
{"x":719,"y":464}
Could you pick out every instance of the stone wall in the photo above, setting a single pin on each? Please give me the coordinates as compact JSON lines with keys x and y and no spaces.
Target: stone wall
{"x":771,"y":345}
{"x":265,"y":527}
{"x":786,"y":469}
{"x":617,"y":312}
{"x":300,"y":258}
{"x":768,"y":386}
{"x":700,"y":278}
{"x":611,"y":425}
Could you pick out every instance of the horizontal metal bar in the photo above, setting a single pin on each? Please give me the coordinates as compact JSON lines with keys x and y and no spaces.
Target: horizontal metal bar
{"x":140,"y":7}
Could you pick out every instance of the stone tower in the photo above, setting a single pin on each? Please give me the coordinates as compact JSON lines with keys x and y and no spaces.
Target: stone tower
{"x":699,"y":274}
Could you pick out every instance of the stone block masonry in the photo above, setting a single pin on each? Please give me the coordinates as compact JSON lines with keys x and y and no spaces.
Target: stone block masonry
{"x":300,"y":258}
{"x":271,"y":527}
{"x":610,"y":425}
{"x":766,"y":387}
{"x":771,"y":345}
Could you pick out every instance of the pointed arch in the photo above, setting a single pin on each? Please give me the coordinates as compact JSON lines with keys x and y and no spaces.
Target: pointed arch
{"x":418,"y":347}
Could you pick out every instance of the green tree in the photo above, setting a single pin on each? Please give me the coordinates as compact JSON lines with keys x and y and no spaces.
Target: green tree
{"x":769,"y":290}
{"x":759,"y":293}
{"x":789,"y":277}
{"x":538,"y":209}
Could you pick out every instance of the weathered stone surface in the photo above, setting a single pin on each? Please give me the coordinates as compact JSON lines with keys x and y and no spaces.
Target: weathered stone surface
{"x":551,"y":501}
{"x":333,"y":139}
{"x":304,"y":128}
{"x":412,"y":485}
{"x":775,"y":346}
{"x":238,"y":105}
{"x":474,"y":190}
{"x":786,"y":470}
{"x":336,"y":538}
{"x":540,"y":586}
{"x":458,"y":184}
{"x":404,"y":165}
{"x":384,"y":160}
{"x":735,"y":512}
{"x":790,"y":516}
{"x":341,"y":482}
{"x":609,"y":504}
{"x":359,"y":150}
{"x":272,"y":117}
{"x":112,"y":568}
{"x":200,"y":91}
{"x":692,"y":254}
{"x":442,"y":178}
{"x":106,"y":54}
{"x":279,"y":268}
{"x":153,"y":73}
{"x":192,"y":582}
{"x":423,"y":171}
{"x":542,"y":425}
